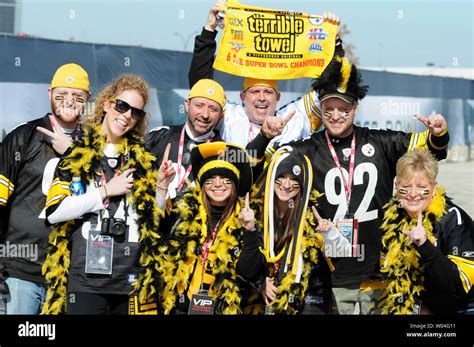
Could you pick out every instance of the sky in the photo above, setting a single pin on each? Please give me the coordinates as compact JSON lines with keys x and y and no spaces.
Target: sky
{"x":385,"y":33}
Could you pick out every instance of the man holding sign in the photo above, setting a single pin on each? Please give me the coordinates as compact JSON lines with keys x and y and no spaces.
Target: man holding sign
{"x":243,"y":123}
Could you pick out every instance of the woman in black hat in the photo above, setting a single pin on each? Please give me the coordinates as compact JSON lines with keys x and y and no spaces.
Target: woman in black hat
{"x":297,"y":278}
{"x":197,"y":269}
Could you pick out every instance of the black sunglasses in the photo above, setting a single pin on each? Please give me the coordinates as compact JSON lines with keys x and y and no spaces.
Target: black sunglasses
{"x":122,"y":107}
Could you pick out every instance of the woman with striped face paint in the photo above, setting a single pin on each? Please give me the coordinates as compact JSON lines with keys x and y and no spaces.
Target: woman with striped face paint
{"x":428,"y":258}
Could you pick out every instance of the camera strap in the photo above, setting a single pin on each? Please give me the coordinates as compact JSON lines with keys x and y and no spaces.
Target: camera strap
{"x":125,"y":209}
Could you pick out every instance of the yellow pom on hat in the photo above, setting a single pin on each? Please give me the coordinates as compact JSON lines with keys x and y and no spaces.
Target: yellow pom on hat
{"x":223,"y":159}
{"x":250,"y":82}
{"x":208,"y":89}
{"x":71,"y":76}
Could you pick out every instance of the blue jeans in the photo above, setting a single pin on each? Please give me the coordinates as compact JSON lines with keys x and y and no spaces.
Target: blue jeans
{"x":25,"y":297}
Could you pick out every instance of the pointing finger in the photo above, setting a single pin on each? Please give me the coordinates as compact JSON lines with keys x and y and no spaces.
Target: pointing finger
{"x":420,"y":219}
{"x":52,"y":123}
{"x":247,"y":202}
{"x":167,"y":153}
{"x":316,"y":214}
{"x":55,"y":124}
{"x":48,"y":133}
{"x":422,"y":119}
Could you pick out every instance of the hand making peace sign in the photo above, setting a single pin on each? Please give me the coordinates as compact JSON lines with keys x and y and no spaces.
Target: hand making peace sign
{"x":59,"y":139}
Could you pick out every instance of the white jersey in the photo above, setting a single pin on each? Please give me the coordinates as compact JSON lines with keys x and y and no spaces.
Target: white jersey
{"x":236,"y":127}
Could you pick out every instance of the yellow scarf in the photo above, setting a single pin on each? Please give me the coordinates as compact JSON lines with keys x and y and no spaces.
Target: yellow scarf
{"x":84,"y":161}
{"x":402,"y":266}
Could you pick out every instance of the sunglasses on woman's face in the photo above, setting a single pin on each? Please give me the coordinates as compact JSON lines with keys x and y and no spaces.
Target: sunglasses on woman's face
{"x":122,"y":107}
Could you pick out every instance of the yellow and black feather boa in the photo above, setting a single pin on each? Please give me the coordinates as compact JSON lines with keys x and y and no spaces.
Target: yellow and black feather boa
{"x":84,"y":161}
{"x":402,"y":267}
{"x":290,"y":299}
{"x":178,"y":257}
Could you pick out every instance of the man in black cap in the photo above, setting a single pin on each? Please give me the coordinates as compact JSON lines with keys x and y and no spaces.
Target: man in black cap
{"x":354,"y":167}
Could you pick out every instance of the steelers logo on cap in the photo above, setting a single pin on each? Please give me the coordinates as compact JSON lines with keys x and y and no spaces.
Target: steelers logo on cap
{"x":69,"y":79}
{"x":210,"y":91}
{"x":296,"y":170}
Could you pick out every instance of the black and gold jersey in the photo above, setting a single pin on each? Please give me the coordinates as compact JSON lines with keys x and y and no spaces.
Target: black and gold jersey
{"x":27,"y":164}
{"x":449,"y":266}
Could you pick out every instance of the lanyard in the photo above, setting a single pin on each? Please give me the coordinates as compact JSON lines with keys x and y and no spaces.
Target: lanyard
{"x":347,"y":184}
{"x":207,"y":245}
{"x":180,"y":158}
{"x":205,"y":251}
{"x":251,"y":134}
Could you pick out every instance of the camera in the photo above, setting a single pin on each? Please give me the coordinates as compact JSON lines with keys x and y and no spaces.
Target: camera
{"x":113,"y":226}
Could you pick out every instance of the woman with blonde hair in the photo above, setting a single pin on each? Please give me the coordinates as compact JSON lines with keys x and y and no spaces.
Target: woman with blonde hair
{"x":428,"y":261}
{"x":101,"y":201}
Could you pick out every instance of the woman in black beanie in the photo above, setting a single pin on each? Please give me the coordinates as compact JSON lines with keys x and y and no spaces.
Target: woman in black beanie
{"x":296,"y":279}
{"x":197,"y":269}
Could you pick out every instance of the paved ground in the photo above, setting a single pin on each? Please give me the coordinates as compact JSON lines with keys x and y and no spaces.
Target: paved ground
{"x":458,"y":179}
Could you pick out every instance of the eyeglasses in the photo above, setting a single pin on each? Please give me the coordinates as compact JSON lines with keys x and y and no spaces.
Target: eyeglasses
{"x":122,"y":107}
{"x":342,"y":114}
{"x":423,"y":193}
{"x":211,"y":181}
{"x":294,"y":184}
